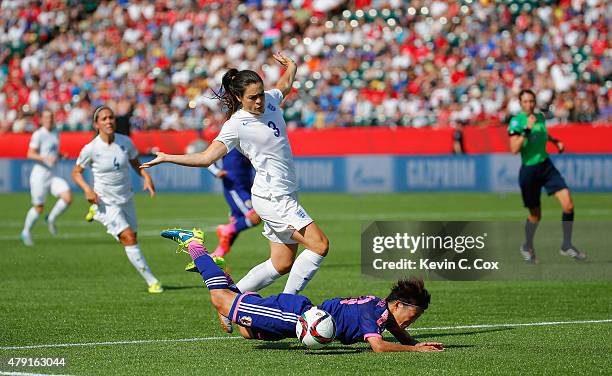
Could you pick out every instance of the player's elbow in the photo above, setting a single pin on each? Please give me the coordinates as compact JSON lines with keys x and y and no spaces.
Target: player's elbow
{"x":205,"y":161}
{"x":76,"y":172}
{"x":378,"y":346}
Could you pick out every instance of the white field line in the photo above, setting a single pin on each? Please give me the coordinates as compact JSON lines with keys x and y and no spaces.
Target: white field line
{"x":544,"y":323}
{"x":110,"y":343}
{"x":29,"y":374}
{"x":117,"y":343}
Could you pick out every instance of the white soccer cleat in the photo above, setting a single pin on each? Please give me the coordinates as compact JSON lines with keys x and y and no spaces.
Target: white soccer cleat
{"x":573,"y":253}
{"x":51,"y":226}
{"x":226,"y":323}
{"x":528,"y":255}
{"x":26,"y":238}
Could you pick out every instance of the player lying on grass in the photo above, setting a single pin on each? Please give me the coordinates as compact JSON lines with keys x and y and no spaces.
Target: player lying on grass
{"x":274,"y":318}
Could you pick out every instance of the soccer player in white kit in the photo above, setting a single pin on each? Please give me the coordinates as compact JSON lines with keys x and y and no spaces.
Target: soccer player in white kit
{"x":110,"y":155}
{"x":257,"y":128}
{"x":44,"y":150}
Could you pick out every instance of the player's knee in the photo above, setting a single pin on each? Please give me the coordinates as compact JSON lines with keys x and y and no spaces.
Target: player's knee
{"x":534,"y":218}
{"x":254,"y":218}
{"x":39,"y":208}
{"x":283,"y":267}
{"x":245,"y":333}
{"x":128,"y":237}
{"x":216,"y":299}
{"x":322,"y":246}
{"x":568,"y":207}
{"x":67,"y":199}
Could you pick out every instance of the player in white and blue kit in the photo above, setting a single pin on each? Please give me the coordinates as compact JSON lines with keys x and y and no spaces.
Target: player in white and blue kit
{"x":236,"y":173}
{"x":44,"y":150}
{"x":360,"y":319}
{"x":110,"y":156}
{"x":257,"y":128}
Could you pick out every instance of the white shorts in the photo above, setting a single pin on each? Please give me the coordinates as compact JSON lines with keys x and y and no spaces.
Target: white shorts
{"x":282,"y":216}
{"x":42,"y":183}
{"x":117,"y":218}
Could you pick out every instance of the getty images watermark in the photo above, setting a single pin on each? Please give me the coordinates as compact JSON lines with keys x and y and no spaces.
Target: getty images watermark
{"x":454,"y":250}
{"x":423,"y":242}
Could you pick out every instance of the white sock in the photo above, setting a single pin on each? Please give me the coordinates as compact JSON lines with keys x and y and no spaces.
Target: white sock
{"x":259,"y":277}
{"x":31,"y":218}
{"x":137,"y":259}
{"x":302,"y":271}
{"x":58,"y":209}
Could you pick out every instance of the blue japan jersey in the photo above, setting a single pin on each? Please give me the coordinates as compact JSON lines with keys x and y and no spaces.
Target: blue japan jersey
{"x":239,"y":171}
{"x":357,"y":318}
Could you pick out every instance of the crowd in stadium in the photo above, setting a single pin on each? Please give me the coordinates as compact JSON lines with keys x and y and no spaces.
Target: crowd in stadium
{"x":362,"y":62}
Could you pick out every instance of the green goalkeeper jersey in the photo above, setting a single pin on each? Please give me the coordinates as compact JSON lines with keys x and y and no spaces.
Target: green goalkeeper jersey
{"x":533,"y":150}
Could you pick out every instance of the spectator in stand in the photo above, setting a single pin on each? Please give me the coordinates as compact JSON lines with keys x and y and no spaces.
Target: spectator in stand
{"x":409,"y":63}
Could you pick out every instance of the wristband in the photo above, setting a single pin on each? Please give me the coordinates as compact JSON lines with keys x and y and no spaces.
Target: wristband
{"x":526,"y":132}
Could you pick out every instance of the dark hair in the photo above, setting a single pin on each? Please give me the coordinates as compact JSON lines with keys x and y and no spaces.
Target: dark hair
{"x":234,"y":83}
{"x":410,"y":291}
{"x":526,"y":91}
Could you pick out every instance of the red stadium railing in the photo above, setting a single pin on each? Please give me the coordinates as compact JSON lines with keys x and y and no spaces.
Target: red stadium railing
{"x":578,"y":138}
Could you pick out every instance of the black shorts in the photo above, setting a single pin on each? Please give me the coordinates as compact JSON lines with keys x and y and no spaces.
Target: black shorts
{"x":533,"y":178}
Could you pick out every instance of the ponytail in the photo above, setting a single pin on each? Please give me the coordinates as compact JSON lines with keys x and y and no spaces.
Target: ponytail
{"x":233,"y":85}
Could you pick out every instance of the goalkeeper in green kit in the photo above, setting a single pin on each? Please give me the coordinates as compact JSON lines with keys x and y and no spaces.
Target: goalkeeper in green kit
{"x":528,"y":135}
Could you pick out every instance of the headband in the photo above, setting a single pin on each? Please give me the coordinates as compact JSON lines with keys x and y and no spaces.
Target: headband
{"x":97,"y":111}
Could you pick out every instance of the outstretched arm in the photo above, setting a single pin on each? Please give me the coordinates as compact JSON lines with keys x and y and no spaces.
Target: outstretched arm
{"x":285,"y":83}
{"x":212,"y":153}
{"x":380,"y":345}
{"x":402,"y":335}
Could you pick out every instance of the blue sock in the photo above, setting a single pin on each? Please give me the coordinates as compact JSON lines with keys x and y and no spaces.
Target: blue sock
{"x":242,"y":223}
{"x":213,"y":276}
{"x":567,"y":225}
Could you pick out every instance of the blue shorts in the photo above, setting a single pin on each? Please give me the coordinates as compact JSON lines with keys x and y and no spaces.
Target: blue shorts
{"x":533,"y":178}
{"x":239,"y":201}
{"x":269,"y":319}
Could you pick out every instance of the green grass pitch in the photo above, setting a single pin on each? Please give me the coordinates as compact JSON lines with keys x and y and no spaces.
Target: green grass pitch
{"x":80,"y":288}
